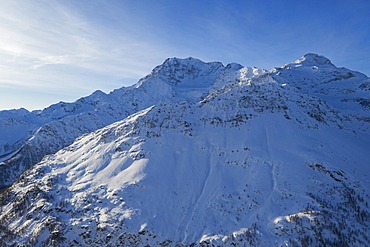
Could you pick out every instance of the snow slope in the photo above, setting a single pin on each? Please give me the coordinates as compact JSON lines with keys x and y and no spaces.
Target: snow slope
{"x":26,"y":137}
{"x":346,"y":90}
{"x":258,"y":162}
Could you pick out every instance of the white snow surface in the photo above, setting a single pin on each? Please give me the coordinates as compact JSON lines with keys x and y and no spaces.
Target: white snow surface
{"x":25,"y":137}
{"x":264,"y":160}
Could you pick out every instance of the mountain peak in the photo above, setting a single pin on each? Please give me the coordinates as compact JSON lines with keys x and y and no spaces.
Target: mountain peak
{"x":188,"y":62}
{"x":178,"y":71}
{"x":234,"y":66}
{"x":313,"y":59}
{"x":172,"y":60}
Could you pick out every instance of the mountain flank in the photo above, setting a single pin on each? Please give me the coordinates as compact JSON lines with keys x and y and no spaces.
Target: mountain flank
{"x":195,"y":154}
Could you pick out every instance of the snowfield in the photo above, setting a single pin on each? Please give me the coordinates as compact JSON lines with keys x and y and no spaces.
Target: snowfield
{"x":227,"y":156}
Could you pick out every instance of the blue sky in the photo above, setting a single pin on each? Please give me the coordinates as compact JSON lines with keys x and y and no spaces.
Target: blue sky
{"x":61,"y":50}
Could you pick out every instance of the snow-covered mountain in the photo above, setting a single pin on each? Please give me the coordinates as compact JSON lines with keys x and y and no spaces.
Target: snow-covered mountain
{"x":223,"y":156}
{"x":26,"y":137}
{"x":346,"y":90}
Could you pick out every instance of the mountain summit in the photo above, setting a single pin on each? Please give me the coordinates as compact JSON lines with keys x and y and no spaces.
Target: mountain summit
{"x":312,"y":59}
{"x":204,"y":155}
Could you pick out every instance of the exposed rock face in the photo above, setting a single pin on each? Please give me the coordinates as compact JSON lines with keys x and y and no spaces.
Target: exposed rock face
{"x":248,"y":158}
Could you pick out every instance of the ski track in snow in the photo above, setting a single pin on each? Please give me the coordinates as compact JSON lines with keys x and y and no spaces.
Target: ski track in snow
{"x":198,"y":201}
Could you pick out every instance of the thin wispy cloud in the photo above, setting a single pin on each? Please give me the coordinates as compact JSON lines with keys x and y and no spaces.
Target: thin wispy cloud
{"x":68,"y":48}
{"x":43,"y":40}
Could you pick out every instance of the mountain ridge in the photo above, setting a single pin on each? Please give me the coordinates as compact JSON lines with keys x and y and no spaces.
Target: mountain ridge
{"x":101,"y":109}
{"x":270,"y":159}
